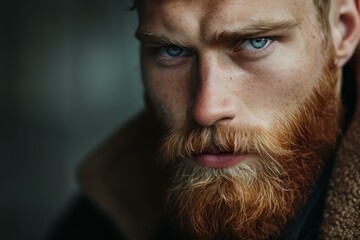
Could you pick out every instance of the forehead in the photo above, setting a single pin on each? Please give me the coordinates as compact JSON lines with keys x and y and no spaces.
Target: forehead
{"x":220,"y":12}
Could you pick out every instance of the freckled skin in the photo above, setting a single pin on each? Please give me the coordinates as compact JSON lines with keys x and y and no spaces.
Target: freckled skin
{"x":216,"y":85}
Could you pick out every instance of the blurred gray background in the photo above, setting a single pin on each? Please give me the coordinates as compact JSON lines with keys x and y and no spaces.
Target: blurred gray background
{"x":69,"y":76}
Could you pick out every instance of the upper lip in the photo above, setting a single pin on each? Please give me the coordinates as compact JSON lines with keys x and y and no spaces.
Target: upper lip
{"x":214,"y":150}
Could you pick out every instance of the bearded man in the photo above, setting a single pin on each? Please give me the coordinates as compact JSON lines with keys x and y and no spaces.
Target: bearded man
{"x":244,"y":99}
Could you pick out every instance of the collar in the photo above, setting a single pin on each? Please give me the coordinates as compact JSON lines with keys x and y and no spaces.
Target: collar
{"x":122,"y":179}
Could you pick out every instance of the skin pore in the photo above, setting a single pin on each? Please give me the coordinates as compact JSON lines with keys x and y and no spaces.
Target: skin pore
{"x":248,"y":90}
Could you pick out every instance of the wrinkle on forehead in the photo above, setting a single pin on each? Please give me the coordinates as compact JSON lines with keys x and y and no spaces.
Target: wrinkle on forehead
{"x":215,"y":9}
{"x":215,"y":4}
{"x":201,"y":19}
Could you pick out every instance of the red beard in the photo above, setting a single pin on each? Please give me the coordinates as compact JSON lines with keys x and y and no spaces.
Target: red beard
{"x":256,"y":198}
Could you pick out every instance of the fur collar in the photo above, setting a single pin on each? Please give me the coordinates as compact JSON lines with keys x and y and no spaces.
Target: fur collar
{"x":121,"y":179}
{"x":341,"y":219}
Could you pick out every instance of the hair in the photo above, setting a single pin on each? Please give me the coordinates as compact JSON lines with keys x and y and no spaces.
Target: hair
{"x":323,"y":11}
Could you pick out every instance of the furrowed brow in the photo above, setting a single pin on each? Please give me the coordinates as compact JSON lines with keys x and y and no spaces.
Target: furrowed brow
{"x":256,"y":29}
{"x":149,"y":37}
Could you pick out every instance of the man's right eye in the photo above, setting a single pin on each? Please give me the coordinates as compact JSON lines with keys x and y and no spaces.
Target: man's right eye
{"x":173,"y":52}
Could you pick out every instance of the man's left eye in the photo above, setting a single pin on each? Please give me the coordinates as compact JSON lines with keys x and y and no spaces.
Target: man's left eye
{"x":254,"y":43}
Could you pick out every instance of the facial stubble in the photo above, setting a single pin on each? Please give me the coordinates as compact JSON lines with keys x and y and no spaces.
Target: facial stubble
{"x":256,"y":198}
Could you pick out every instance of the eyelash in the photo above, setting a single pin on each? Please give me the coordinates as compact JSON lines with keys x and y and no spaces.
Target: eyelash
{"x":185,"y":51}
{"x":168,"y":60}
{"x":255,"y":53}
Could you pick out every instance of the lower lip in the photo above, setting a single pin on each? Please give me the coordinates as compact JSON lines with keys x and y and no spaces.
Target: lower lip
{"x":219,"y":160}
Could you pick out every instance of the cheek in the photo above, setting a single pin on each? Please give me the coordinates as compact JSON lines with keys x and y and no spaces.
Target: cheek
{"x":290,"y":74}
{"x":168,"y":92}
{"x":281,"y":86}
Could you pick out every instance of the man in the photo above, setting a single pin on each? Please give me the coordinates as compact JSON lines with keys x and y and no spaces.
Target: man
{"x":245,"y":96}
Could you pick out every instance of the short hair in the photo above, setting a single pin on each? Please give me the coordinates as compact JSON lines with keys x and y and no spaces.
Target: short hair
{"x":323,"y":11}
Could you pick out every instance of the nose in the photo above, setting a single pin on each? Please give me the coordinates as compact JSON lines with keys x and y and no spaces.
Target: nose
{"x":213,"y":100}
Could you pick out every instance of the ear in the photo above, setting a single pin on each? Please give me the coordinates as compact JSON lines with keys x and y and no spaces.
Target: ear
{"x":345,"y":28}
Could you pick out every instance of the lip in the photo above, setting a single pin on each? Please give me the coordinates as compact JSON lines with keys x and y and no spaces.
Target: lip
{"x":219,"y":160}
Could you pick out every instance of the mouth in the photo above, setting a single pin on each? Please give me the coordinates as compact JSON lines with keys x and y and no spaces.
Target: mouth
{"x":215,"y":158}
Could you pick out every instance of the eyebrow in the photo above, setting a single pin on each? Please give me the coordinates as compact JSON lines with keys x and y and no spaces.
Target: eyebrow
{"x":254,"y":29}
{"x":149,"y":37}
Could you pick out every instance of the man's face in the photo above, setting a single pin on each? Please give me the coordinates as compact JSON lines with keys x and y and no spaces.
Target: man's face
{"x":235,"y":62}
{"x":248,"y":90}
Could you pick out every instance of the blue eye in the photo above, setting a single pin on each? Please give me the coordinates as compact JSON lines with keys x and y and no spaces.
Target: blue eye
{"x":173,"y":51}
{"x":259,"y":43}
{"x":255,"y":43}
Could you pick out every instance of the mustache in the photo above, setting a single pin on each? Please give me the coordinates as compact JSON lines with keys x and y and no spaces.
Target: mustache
{"x":190,"y":141}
